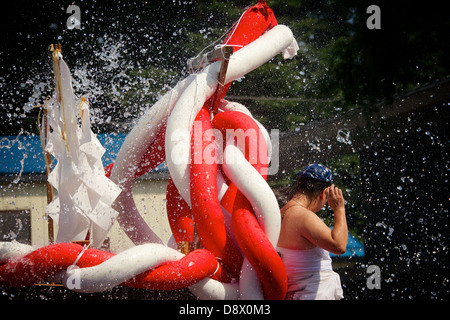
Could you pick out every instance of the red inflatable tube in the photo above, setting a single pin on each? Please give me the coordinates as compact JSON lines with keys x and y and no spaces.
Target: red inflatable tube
{"x":227,"y":201}
{"x":253,"y":23}
{"x":192,"y":268}
{"x":205,"y":204}
{"x":251,"y":141}
{"x":42,"y":263}
{"x":46,"y":261}
{"x":38,"y":265}
{"x":155,"y":154}
{"x":179,"y":214}
{"x":258,"y":250}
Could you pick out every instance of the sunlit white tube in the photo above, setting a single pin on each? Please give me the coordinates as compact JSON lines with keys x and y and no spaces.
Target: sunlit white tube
{"x":119,"y":268}
{"x":13,"y":250}
{"x":258,"y":52}
{"x":134,"y":261}
{"x":210,"y":289}
{"x":265,"y":205}
{"x":222,"y":186}
{"x":249,"y":284}
{"x":134,"y":147}
{"x":179,"y":127}
{"x":262,"y":198}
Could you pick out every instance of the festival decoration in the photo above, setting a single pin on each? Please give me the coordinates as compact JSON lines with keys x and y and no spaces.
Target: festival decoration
{"x":85,"y":195}
{"x":217,"y":155}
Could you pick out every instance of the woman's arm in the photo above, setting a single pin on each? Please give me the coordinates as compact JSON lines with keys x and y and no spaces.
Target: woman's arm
{"x":340,"y":230}
{"x":317,"y":232}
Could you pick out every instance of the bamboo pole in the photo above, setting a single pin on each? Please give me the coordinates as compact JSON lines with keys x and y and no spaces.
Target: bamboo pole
{"x":226,"y":51}
{"x":48,"y":163}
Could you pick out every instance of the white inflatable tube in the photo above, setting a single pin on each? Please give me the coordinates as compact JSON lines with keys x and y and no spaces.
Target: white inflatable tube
{"x":128,"y":159}
{"x":222,"y":186}
{"x":265,"y":205}
{"x":119,"y":268}
{"x":234,"y":106}
{"x":262,"y":198}
{"x":134,"y":261}
{"x":14,"y":250}
{"x":210,"y":289}
{"x":250,"y":287}
{"x":179,"y":125}
{"x":144,"y":133}
{"x":178,"y":131}
{"x":131,"y":220}
{"x":258,"y":52}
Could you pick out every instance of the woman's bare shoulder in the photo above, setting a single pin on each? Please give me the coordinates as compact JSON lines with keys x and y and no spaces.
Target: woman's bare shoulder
{"x":296,"y":211}
{"x":293,"y":226}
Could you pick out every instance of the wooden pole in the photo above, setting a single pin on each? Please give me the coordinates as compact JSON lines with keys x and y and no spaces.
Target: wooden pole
{"x":227,"y":51}
{"x":48,"y":163}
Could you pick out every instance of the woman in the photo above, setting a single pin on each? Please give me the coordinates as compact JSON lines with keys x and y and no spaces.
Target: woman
{"x":305,"y":240}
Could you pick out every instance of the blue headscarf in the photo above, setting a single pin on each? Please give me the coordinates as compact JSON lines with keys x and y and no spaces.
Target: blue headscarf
{"x":317,"y":171}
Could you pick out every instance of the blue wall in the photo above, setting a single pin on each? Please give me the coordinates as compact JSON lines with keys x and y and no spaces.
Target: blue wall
{"x":28,"y":149}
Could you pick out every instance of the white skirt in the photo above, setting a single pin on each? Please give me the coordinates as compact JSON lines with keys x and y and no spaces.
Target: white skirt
{"x":322,"y":285}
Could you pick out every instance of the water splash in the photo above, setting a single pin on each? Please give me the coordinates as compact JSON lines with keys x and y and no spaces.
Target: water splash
{"x":7,"y":143}
{"x":343,"y":136}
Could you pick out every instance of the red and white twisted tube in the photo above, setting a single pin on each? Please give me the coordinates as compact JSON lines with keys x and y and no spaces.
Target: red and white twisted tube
{"x":238,"y":234}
